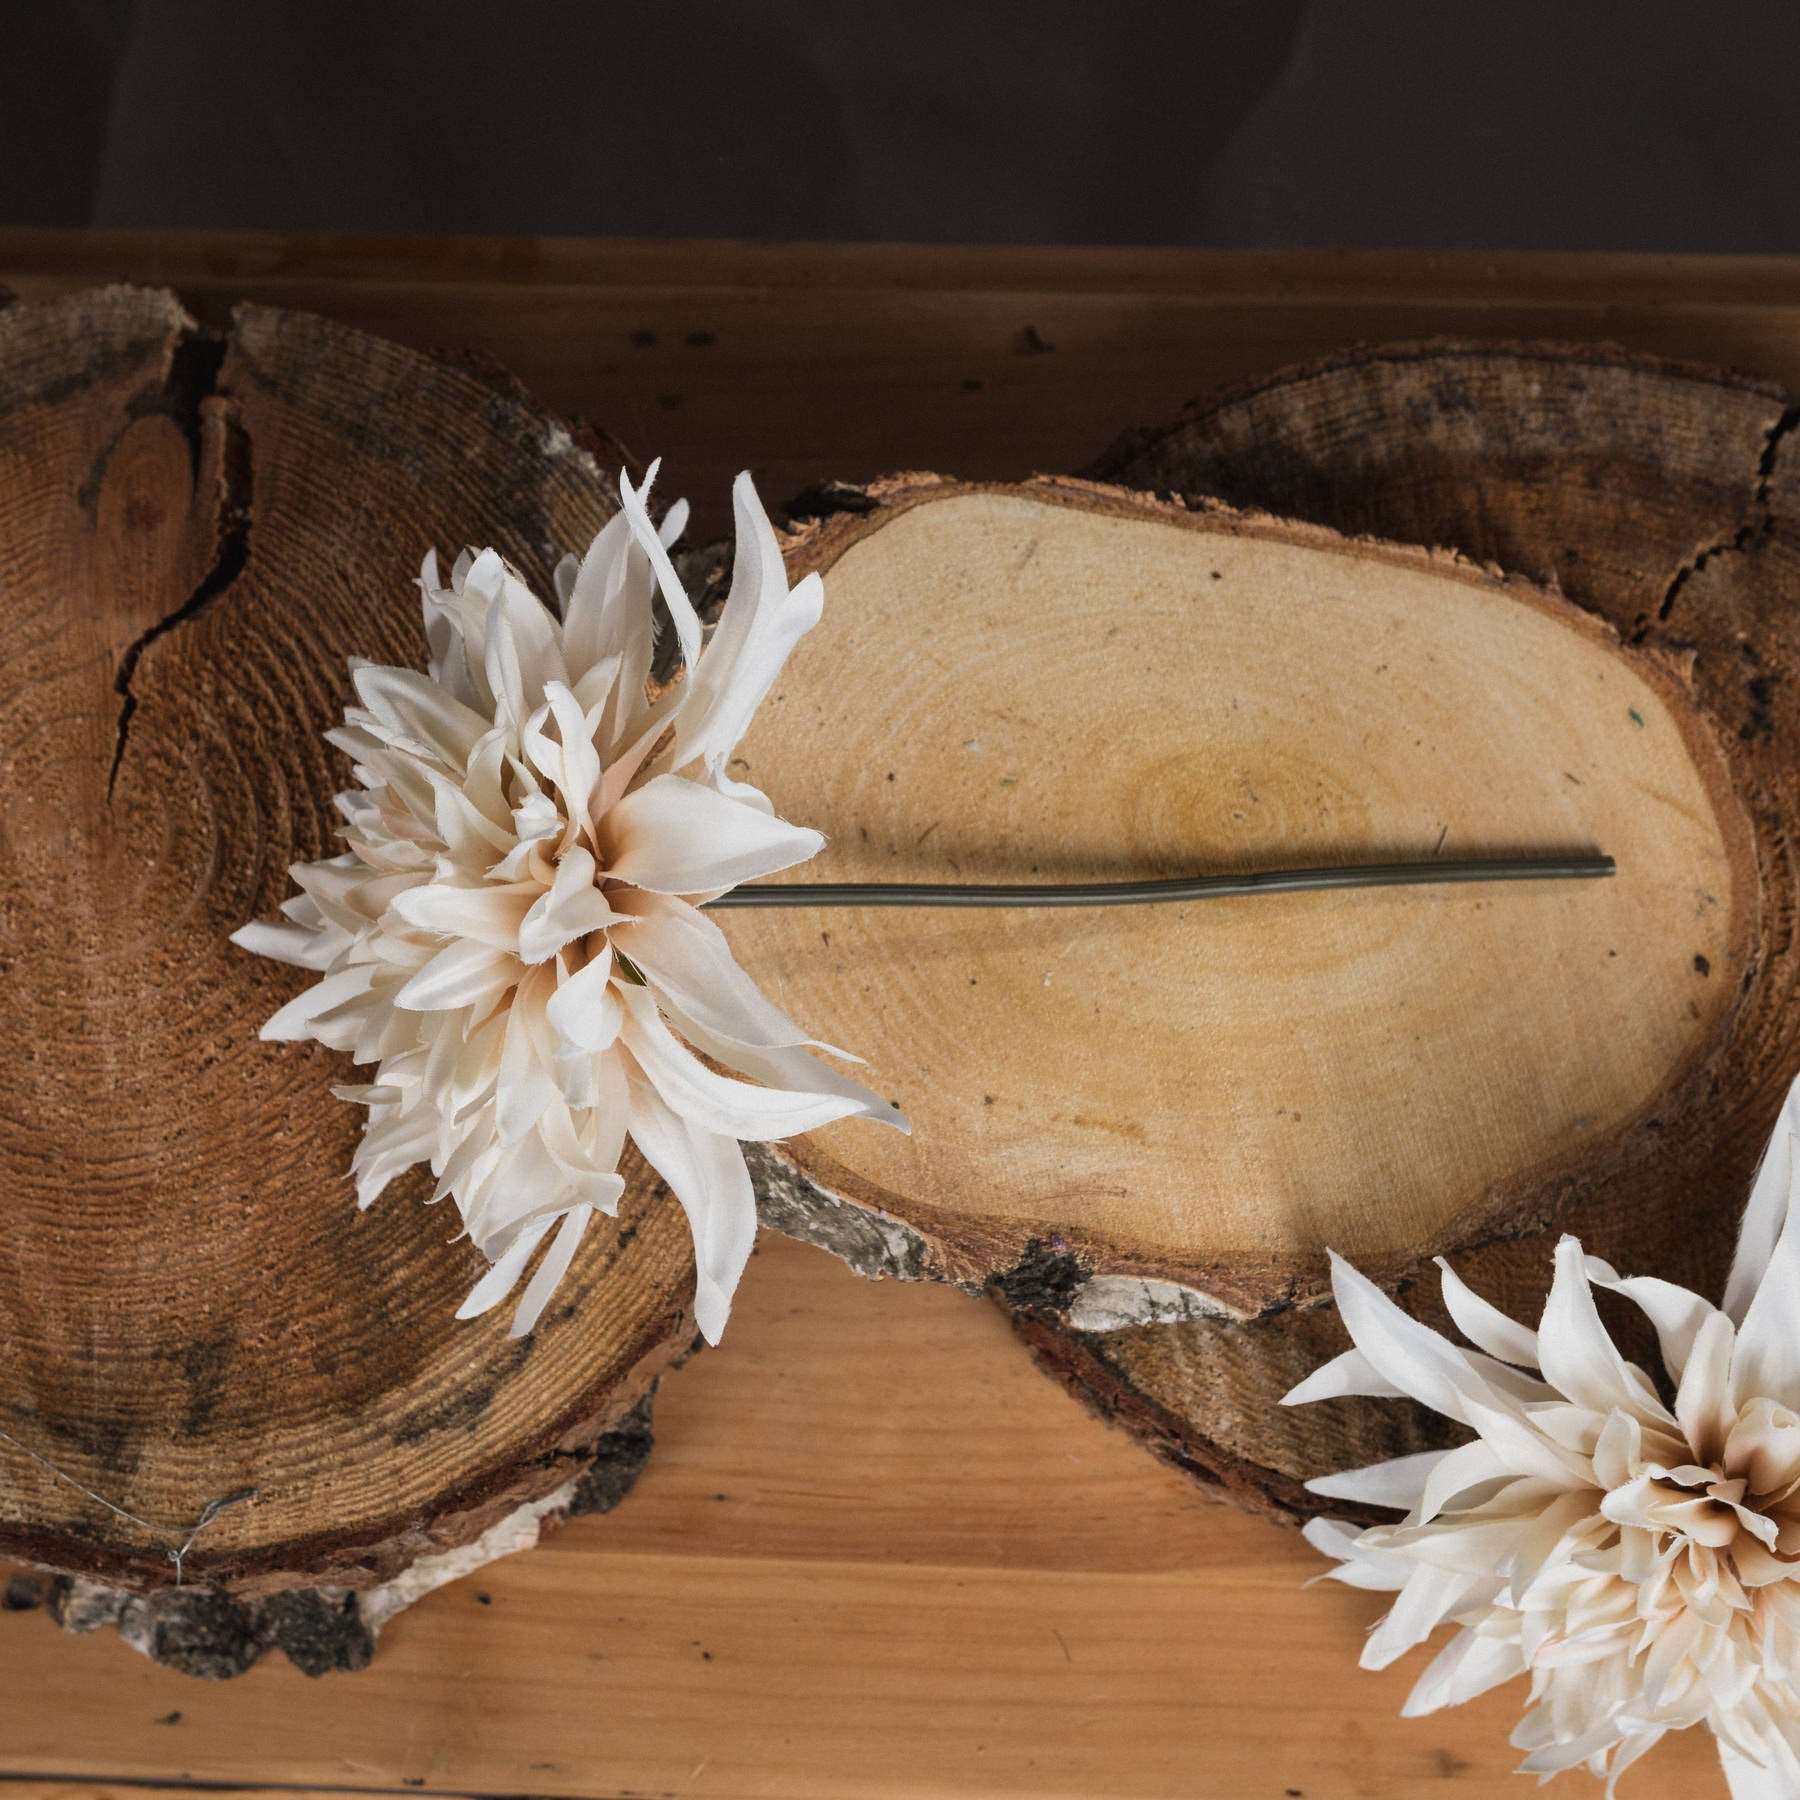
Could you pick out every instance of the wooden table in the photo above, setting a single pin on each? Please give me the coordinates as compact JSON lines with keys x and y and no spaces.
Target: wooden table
{"x":875,"y":1552}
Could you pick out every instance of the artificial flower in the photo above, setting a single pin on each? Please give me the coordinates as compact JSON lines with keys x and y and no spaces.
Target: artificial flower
{"x":1633,"y":1548}
{"x":514,"y":932}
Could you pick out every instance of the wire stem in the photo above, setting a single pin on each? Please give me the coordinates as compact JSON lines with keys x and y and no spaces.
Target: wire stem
{"x":1143,"y":893}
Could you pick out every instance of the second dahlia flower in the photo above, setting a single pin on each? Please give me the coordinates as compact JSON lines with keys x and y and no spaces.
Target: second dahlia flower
{"x":1632,"y":1548}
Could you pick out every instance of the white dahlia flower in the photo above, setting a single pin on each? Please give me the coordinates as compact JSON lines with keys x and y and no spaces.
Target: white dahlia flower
{"x":1634,"y":1550}
{"x":513,"y":933}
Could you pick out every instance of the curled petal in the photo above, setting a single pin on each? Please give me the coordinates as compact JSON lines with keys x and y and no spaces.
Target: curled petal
{"x":551,"y":1270}
{"x":1484,"y":1324}
{"x":674,"y":836}
{"x":1767,"y":1213}
{"x":1577,"y":1356}
{"x":716,"y":1103}
{"x":573,"y":908}
{"x":584,"y":1012}
{"x":1349,"y":1374}
{"x":681,"y":609}
{"x":294,"y":1021}
{"x":687,"y":957}
{"x":760,"y":624}
{"x":300,"y":945}
{"x":1468,"y":1665}
{"x":489,"y":915}
{"x":706,"y":1172}
{"x":463,"y":973}
{"x":1398,"y":1482}
{"x":503,"y":1277}
{"x":421,"y":708}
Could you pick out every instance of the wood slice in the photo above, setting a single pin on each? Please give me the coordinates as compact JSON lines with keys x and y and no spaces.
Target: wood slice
{"x":194,"y":536}
{"x":1172,"y":1110}
{"x":1661,"y":499}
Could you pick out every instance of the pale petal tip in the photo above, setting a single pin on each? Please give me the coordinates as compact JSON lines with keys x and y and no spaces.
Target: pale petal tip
{"x":712,"y":1307}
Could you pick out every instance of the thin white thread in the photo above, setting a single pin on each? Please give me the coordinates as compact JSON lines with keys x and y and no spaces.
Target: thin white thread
{"x":209,"y":1512}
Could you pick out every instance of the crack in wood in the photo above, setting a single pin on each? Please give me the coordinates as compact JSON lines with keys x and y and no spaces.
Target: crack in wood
{"x":193,"y":378}
{"x":1760,"y":524}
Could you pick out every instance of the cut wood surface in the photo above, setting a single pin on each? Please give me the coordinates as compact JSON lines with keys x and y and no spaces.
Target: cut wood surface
{"x":195,"y":536}
{"x":831,"y":1585}
{"x":1662,"y":500}
{"x":1056,"y":682}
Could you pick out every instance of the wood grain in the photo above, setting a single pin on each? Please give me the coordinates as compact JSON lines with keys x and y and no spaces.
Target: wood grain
{"x":811,"y":362}
{"x":1010,"y":1601}
{"x":1662,"y":498}
{"x":1061,"y":682}
{"x":191,"y":1307}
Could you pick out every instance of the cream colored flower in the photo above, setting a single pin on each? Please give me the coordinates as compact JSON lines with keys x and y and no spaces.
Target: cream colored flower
{"x":513,"y":933}
{"x":1637,"y":1556}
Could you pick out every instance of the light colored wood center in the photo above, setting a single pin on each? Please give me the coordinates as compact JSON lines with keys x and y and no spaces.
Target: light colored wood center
{"x":1007,"y":688}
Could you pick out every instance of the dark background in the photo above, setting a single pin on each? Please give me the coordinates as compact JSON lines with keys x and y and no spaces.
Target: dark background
{"x":1260,"y":123}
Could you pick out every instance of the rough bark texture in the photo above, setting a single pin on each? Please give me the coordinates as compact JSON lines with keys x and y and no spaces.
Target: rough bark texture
{"x":1283,"y":694}
{"x":204,"y":1632}
{"x":1661,"y":498}
{"x":196,"y":533}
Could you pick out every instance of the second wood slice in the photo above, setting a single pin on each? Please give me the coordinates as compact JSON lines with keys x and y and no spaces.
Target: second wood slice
{"x":1661,"y":500}
{"x":1165,"y":1112}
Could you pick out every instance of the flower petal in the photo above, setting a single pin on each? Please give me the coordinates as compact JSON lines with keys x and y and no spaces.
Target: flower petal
{"x":1412,"y":1356}
{"x":1766,"y":1216}
{"x":523,"y":650}
{"x":716,"y":1103}
{"x":1360,"y":1564}
{"x":583,"y":1011}
{"x":1428,"y":1598}
{"x":1677,"y":1313}
{"x":761,"y":622}
{"x":687,"y":957}
{"x":421,"y":708}
{"x":1484,"y":1324}
{"x":1776,"y":1779}
{"x":706,"y":1172}
{"x":681,"y":609}
{"x":1703,"y":1403}
{"x":503,"y":1277}
{"x":1470,"y":1664}
{"x":551,"y":1270}
{"x":1767,"y":1358}
{"x":1349,"y":1374}
{"x":463,"y":973}
{"x":600,"y":618}
{"x":1577,"y":1356}
{"x":1397,"y":1482}
{"x":674,"y":836}
{"x":301,"y":945}
{"x":572,"y":908}
{"x":1456,"y":1476}
{"x":490,"y":914}
{"x":294,"y":1021}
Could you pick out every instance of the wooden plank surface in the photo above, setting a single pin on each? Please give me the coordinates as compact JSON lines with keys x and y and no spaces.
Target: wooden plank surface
{"x":875,"y":1552}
